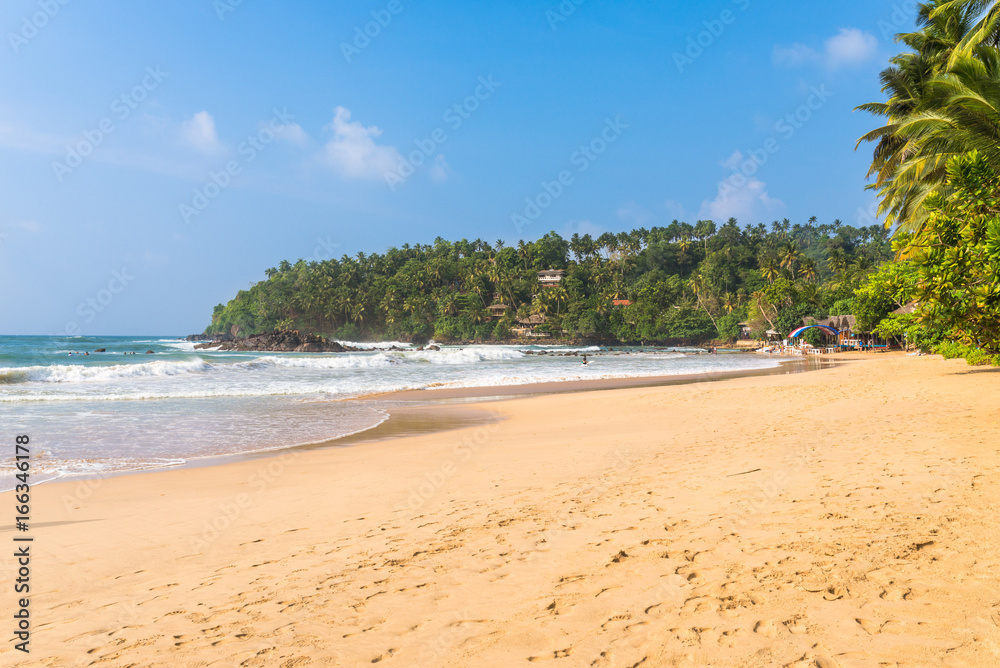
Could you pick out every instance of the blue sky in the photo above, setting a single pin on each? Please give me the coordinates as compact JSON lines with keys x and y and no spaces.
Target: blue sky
{"x":157,"y":157}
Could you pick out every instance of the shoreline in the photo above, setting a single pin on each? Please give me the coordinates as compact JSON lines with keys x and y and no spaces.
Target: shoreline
{"x":426,"y":411}
{"x":841,"y":516}
{"x":786,"y":365}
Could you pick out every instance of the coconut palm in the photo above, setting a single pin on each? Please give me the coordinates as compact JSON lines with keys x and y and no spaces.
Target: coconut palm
{"x":941,"y":102}
{"x":730,"y":302}
{"x":985,"y":29}
{"x":789,"y":256}
{"x":807,"y":269}
{"x":769,"y":270}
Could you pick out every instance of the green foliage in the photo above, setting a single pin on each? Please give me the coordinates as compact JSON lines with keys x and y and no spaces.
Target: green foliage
{"x":687,"y":325}
{"x":729,"y":329}
{"x":907,"y":328}
{"x":974,"y":356}
{"x":957,"y":256}
{"x":942,"y":101}
{"x":842,"y":307}
{"x":685,"y":283}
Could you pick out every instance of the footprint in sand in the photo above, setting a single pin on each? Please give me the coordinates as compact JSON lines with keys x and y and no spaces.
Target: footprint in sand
{"x":796,"y":626}
{"x":381,"y":657}
{"x":558,"y":654}
{"x":766,"y":628}
{"x":731,"y":638}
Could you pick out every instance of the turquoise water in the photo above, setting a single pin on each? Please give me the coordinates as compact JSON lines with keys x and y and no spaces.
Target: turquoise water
{"x":115,"y":411}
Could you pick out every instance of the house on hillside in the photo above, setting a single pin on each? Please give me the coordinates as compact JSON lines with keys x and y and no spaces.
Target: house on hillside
{"x":551,"y":277}
{"x":621,"y":302}
{"x":527,"y":327}
{"x":498,"y":311}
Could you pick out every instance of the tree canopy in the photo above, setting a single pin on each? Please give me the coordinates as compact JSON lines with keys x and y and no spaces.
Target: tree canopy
{"x":675,"y":283}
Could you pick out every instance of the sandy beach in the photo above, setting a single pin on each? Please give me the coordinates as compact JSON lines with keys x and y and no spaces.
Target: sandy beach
{"x":841,"y":517}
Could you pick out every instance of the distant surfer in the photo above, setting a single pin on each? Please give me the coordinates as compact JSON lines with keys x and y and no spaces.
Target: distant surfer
{"x":585,"y":362}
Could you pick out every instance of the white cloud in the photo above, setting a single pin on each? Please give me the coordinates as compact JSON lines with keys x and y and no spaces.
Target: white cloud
{"x":734,"y":161}
{"x":199,"y":132}
{"x":293,"y":133}
{"x":440,"y":170}
{"x":793,"y":55}
{"x":748,"y":201}
{"x":353,"y":151}
{"x":850,"y":47}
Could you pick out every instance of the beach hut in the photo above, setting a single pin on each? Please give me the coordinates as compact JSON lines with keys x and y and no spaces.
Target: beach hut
{"x":528,"y":325}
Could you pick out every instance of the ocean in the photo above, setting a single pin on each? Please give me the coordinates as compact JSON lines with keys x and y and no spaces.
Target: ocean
{"x":110,"y":412}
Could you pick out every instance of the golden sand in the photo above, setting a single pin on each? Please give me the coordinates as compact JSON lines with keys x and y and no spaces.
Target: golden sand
{"x":843,"y":517}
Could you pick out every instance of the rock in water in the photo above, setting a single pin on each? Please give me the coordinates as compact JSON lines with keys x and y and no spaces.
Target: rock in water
{"x":283,"y":341}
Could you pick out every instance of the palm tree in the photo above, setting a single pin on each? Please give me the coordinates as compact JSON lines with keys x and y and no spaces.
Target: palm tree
{"x":810,"y":294}
{"x":558,"y":295}
{"x":789,"y":256}
{"x":807,"y":269}
{"x":926,"y":90}
{"x":837,"y":260}
{"x":730,"y":302}
{"x":985,"y":29}
{"x":769,"y":269}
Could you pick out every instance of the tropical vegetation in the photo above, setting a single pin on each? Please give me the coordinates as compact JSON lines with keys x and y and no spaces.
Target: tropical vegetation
{"x":679,"y":283}
{"x":935,"y":166}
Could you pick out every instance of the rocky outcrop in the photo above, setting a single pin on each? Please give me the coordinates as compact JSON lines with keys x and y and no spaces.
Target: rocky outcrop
{"x":278,"y":342}
{"x":210,"y":337}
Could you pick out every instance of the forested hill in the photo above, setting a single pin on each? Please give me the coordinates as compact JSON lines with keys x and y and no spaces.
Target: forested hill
{"x":670,"y":284}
